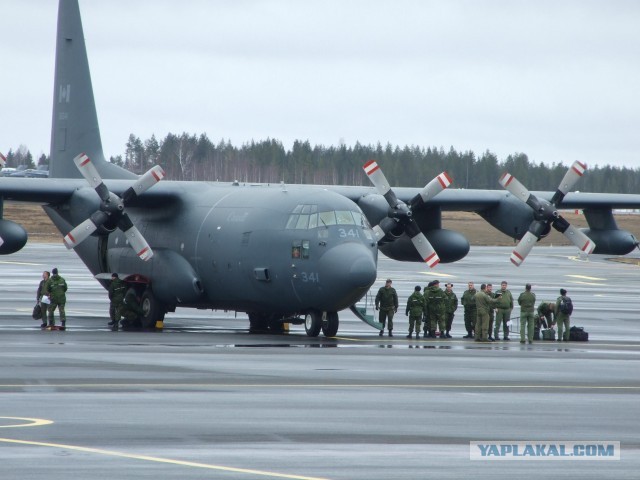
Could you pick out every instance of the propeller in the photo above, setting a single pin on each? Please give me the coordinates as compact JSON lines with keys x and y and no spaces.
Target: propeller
{"x":401,"y":214}
{"x":546,"y":214}
{"x":112,"y":207}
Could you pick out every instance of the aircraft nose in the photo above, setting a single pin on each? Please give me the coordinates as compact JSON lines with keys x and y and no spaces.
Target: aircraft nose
{"x":347,"y":271}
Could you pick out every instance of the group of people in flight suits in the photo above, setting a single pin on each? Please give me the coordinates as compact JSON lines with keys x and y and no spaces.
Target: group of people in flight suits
{"x":485,"y":312}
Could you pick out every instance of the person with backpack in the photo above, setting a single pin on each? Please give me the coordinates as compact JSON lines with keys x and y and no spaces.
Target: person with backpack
{"x":564,"y":309}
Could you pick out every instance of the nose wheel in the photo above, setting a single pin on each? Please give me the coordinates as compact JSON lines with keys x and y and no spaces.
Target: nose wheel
{"x":315,"y":321}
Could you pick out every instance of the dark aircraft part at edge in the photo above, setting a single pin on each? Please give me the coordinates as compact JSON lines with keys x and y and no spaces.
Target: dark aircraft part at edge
{"x":12,"y":237}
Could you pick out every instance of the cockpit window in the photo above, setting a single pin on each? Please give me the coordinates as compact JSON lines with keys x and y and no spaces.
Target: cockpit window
{"x":344,"y":217}
{"x":327,"y":218}
{"x":306,"y":217}
{"x":303,"y":222}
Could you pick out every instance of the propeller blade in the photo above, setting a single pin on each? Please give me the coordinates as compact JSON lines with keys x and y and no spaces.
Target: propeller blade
{"x":523,"y":248}
{"x":431,"y":189}
{"x":144,"y":183}
{"x":426,"y":251}
{"x":579,"y":239}
{"x":570,"y":178}
{"x":91,"y":175}
{"x":513,"y":186}
{"x":3,"y":161}
{"x":424,"y":248}
{"x":135,"y":238}
{"x":85,"y":229}
{"x":380,"y":181}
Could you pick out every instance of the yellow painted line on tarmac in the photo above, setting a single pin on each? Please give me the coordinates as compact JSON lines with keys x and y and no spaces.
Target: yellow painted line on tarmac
{"x":575,"y":282}
{"x":6,"y":262}
{"x":587,"y":278}
{"x":29,"y":422}
{"x":437,"y":274}
{"x":207,"y":466}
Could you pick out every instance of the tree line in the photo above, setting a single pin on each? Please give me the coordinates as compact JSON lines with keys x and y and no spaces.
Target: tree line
{"x":196,"y":157}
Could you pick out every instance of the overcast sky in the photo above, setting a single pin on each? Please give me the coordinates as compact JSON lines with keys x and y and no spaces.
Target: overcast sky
{"x":556,"y":80}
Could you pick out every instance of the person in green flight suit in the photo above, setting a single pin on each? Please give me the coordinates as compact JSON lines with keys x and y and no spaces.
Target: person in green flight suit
{"x":527,"y":301}
{"x":117,"y":290}
{"x":415,"y":310}
{"x":562,"y":318}
{"x":492,"y":310}
{"x":44,"y":307}
{"x":451,"y":305}
{"x":56,"y":289}
{"x":468,"y":301}
{"x":435,"y":308}
{"x":545,"y":316}
{"x":387,"y":303}
{"x":484,"y":303}
{"x":130,"y":308}
{"x":503,"y":312}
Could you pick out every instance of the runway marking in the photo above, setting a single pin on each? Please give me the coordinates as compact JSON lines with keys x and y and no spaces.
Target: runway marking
{"x":586,"y":277}
{"x":187,"y":386}
{"x":437,"y":274}
{"x":575,"y":282}
{"x":5,"y":262}
{"x":113,"y":453}
{"x":31,"y":422}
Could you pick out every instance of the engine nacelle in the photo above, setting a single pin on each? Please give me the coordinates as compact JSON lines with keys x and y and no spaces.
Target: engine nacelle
{"x":450,"y":245}
{"x":612,"y":242}
{"x":12,"y":237}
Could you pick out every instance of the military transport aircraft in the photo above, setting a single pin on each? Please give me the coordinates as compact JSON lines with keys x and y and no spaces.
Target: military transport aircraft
{"x":298,"y":253}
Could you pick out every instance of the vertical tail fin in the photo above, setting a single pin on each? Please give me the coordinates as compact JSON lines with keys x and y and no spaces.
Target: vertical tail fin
{"x":74,"y":127}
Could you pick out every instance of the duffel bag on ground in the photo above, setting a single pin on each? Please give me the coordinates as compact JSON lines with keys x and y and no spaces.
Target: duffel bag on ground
{"x":548,"y":334}
{"x":577,"y":334}
{"x":37,"y":312}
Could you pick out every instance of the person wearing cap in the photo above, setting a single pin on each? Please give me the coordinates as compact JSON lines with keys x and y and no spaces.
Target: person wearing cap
{"x":415,"y":310}
{"x":56,"y":290}
{"x":527,"y":301}
{"x":435,"y":300}
{"x":492,"y":310}
{"x":117,"y":290}
{"x":451,"y":305}
{"x":484,"y":303}
{"x":468,"y":301}
{"x":562,"y":319}
{"x":44,"y":307}
{"x":503,"y":311}
{"x":387,"y":303}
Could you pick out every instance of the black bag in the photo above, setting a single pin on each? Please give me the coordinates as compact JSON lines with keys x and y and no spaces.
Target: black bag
{"x":37,"y":312}
{"x":566,"y":306}
{"x":577,"y":334}
{"x":548,"y":334}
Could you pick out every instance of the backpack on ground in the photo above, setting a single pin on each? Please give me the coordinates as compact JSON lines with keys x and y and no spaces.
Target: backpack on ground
{"x":566,"y":306}
{"x":577,"y":334}
{"x":548,"y":334}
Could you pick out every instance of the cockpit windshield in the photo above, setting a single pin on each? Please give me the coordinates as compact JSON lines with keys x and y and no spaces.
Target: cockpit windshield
{"x":307,"y":217}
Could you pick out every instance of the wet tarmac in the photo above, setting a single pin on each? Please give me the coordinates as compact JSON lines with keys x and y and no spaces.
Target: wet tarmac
{"x":206,"y":399}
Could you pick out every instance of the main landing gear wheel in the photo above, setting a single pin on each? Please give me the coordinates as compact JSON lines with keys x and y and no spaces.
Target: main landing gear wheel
{"x":153,"y":310}
{"x":313,"y":323}
{"x":330,"y":324}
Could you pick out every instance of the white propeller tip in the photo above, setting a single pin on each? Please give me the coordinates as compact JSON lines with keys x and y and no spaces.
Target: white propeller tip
{"x":69,"y":242}
{"x":145,"y":254}
{"x":370,"y":167}
{"x":516,"y":259}
{"x":432,"y":260}
{"x":588,"y":247}
{"x":445,"y":180}
{"x":505,"y":179}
